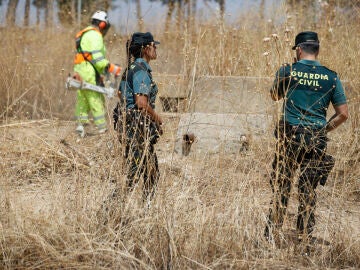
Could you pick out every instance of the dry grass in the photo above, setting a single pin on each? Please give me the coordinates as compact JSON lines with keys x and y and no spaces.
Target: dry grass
{"x":209,"y":211}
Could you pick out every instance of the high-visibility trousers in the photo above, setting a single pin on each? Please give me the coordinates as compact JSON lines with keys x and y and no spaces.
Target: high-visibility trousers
{"x":90,"y":102}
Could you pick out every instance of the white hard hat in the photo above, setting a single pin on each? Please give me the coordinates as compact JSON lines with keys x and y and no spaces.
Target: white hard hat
{"x":101,"y":16}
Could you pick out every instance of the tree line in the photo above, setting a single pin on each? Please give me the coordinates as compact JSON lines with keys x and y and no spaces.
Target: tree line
{"x":71,"y":12}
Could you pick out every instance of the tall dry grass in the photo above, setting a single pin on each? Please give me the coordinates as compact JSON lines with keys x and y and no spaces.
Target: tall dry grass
{"x":209,"y":210}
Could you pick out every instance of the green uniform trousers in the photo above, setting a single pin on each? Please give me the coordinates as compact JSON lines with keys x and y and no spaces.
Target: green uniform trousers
{"x":297,"y":148}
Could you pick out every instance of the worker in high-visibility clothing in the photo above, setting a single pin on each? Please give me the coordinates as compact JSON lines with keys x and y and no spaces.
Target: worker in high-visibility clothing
{"x":90,"y":64}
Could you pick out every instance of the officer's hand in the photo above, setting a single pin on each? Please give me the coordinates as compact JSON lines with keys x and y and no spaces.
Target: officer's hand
{"x":114,"y":69}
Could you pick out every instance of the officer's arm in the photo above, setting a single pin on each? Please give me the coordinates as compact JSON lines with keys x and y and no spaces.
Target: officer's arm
{"x":340,"y":116}
{"x":340,"y":105}
{"x":143,"y":104}
{"x":142,"y":85}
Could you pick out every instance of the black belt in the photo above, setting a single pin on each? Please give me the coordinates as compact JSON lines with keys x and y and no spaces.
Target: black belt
{"x":285,"y":126}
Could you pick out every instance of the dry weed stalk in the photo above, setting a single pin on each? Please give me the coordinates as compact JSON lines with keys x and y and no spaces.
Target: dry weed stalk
{"x":57,"y":210}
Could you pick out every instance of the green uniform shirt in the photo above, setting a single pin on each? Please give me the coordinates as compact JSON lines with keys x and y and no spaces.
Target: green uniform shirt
{"x":308,"y":88}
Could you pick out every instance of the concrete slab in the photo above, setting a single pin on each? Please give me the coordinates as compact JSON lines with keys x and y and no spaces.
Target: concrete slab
{"x":215,"y":133}
{"x":222,"y":112}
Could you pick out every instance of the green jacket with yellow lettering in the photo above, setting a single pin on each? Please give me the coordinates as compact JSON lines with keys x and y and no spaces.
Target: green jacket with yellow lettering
{"x":308,"y":88}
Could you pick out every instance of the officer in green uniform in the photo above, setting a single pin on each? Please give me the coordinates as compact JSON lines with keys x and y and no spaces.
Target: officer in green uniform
{"x":307,"y":89}
{"x":141,"y":125}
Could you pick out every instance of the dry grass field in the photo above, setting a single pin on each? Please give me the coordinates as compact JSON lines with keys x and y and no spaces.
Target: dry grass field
{"x":209,"y":210}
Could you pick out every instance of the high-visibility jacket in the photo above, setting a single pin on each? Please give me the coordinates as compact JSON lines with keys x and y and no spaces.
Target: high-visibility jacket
{"x":92,"y":49}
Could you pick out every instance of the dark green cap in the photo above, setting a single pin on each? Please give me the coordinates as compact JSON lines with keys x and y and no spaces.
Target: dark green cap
{"x":307,"y":37}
